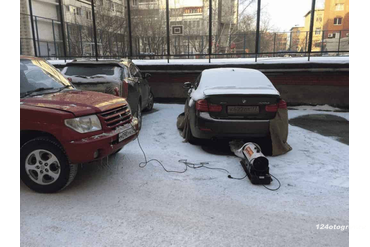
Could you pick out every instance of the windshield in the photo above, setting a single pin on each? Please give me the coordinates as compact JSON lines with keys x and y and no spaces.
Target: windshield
{"x":38,"y":74}
{"x":90,"y":70}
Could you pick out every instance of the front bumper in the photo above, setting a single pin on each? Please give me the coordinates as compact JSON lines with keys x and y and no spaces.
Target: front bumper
{"x":206,"y":127}
{"x":98,"y":146}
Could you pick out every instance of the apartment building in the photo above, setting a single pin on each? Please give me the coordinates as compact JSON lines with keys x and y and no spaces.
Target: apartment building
{"x":110,"y":15}
{"x":300,"y":35}
{"x":189,"y":24}
{"x":111,"y":25}
{"x":330,"y":30}
{"x":317,"y":29}
{"x":46,"y":25}
{"x":336,"y":19}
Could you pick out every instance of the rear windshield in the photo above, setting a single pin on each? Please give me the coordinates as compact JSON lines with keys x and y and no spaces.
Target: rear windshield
{"x":90,"y":70}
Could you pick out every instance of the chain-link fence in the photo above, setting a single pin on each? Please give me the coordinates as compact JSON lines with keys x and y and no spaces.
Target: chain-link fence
{"x":148,"y":29}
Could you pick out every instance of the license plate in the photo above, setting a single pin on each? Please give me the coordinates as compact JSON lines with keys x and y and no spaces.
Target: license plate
{"x":127,"y":131}
{"x":239,"y":110}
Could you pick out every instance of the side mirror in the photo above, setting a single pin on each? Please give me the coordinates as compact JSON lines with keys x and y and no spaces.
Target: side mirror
{"x":147,"y":76}
{"x":187,"y":85}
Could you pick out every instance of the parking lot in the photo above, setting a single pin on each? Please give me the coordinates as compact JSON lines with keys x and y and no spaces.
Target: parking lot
{"x":117,"y":203}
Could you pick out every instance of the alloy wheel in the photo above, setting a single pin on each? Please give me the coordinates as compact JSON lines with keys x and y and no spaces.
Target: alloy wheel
{"x":42,"y":167}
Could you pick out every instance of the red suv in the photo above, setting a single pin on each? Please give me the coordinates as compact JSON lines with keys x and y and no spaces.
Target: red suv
{"x":62,"y":127}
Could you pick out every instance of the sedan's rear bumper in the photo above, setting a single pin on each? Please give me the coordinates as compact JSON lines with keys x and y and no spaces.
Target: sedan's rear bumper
{"x":206,"y":127}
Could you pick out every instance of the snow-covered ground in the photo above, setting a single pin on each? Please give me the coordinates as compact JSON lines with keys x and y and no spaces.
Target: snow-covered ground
{"x":120,"y":204}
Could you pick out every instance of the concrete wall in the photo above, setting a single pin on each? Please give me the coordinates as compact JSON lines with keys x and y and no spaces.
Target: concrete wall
{"x":306,"y":83}
{"x":297,"y":83}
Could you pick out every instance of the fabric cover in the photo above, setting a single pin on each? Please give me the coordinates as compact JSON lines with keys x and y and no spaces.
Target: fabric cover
{"x":278,"y":130}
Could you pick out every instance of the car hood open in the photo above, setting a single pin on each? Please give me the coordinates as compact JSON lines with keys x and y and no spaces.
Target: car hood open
{"x":78,"y":102}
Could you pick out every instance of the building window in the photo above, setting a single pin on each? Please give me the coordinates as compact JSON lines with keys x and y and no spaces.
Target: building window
{"x":88,"y":15}
{"x":74,"y":10}
{"x":192,"y":10}
{"x":147,"y":1}
{"x":339,"y":6}
{"x":337,"y":21}
{"x":318,"y":31}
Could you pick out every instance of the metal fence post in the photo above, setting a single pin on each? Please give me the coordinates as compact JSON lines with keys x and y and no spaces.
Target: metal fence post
{"x":274,"y":44}
{"x":55,"y":44}
{"x":37,"y":34}
{"x":69,"y":41}
{"x":62,"y":27}
{"x":94,"y":29}
{"x":340,"y":36}
{"x":188,"y":46}
{"x":244,"y":44}
{"x":258,"y":29}
{"x":311,"y":28}
{"x":82,"y":45}
{"x":168,"y":30}
{"x":210,"y":32}
{"x":32,"y":27}
{"x":322,"y":42}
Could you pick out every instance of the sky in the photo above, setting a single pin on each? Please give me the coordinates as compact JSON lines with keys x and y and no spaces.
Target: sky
{"x":285,"y":14}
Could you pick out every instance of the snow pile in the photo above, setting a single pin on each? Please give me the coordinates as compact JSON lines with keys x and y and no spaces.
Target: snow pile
{"x":221,"y":61}
{"x":119,"y":204}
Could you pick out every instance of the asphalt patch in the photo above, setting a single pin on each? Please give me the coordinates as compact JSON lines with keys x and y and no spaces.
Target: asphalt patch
{"x":324,"y":124}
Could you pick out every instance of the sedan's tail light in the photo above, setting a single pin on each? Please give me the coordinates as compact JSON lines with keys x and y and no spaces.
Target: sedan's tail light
{"x":282,"y":104}
{"x":271,"y":108}
{"x":202,"y":105}
{"x":275,"y":107}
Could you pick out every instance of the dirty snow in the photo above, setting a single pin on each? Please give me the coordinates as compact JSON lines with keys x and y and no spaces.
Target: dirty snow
{"x":220,"y":61}
{"x":116,"y":203}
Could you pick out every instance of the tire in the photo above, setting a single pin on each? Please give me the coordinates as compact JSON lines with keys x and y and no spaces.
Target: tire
{"x":44,"y":166}
{"x":150,"y":105}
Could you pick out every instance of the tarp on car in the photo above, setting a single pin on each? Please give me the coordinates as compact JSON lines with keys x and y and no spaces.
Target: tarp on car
{"x":278,"y":130}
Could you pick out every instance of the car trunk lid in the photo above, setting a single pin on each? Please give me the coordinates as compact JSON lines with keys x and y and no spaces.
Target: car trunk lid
{"x":252,"y":104}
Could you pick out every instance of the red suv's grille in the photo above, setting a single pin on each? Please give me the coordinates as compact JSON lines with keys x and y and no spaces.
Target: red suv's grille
{"x":116,"y":117}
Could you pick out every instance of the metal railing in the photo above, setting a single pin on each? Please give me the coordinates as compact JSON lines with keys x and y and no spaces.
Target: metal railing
{"x":65,"y":40}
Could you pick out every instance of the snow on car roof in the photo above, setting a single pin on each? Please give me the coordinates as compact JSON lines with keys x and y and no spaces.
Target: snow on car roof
{"x":233,"y":77}
{"x":222,"y":81}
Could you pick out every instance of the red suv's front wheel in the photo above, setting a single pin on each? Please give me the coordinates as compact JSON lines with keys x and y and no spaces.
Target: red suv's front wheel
{"x":45,"y":167}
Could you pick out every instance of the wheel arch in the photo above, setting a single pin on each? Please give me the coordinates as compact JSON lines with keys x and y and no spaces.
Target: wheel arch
{"x":27,"y":135}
